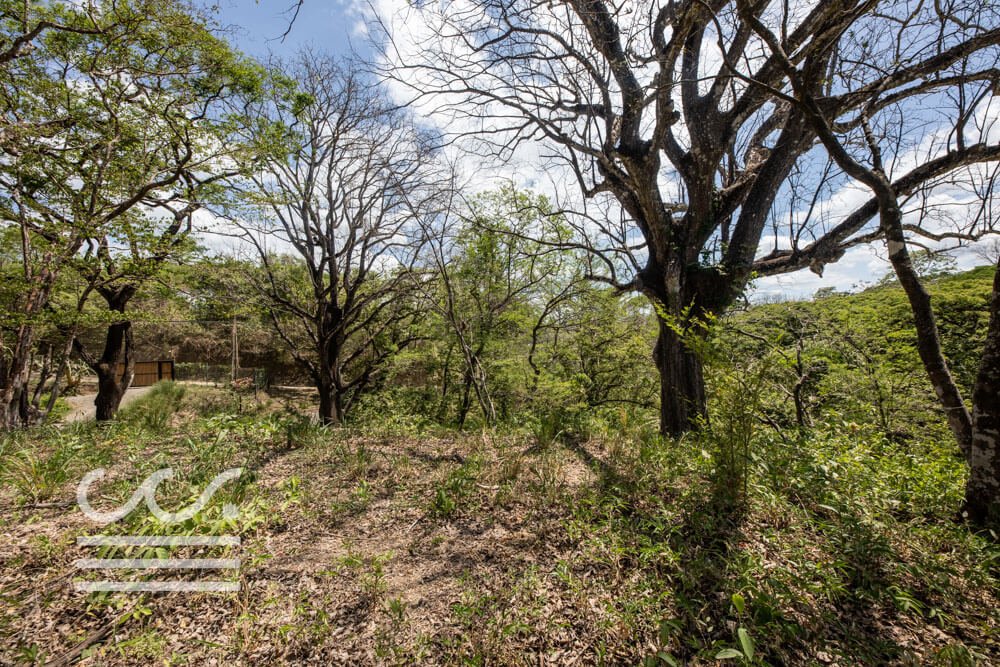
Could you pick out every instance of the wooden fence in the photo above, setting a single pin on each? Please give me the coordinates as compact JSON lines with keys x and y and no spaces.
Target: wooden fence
{"x":149,"y":372}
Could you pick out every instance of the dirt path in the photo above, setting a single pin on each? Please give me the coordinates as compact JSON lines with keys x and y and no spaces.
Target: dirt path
{"x":82,"y":407}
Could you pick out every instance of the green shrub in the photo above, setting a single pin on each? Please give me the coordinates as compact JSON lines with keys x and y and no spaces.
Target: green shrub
{"x":153,"y":410}
{"x":40,"y":469}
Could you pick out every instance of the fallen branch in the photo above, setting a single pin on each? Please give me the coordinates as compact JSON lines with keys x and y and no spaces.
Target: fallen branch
{"x":98,"y":635}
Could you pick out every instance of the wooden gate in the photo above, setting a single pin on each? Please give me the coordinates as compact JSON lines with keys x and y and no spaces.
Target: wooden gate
{"x":149,"y":372}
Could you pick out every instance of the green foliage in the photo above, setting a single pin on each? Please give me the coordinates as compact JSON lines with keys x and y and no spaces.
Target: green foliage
{"x":154,"y":74}
{"x":839,"y":533}
{"x":852,"y":357}
{"x":835,"y":522}
{"x":515,"y":337}
{"x":154,"y":412}
{"x":450,"y":495}
{"x":38,"y":475}
{"x":370,"y":574}
{"x":112,"y":124}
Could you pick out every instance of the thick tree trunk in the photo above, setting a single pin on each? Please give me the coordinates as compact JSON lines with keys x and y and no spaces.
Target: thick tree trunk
{"x":982,"y":493}
{"x":109,"y":394}
{"x":330,"y":410}
{"x":682,"y":384}
{"x":23,"y":408}
{"x":328,"y":380}
{"x":118,"y":349}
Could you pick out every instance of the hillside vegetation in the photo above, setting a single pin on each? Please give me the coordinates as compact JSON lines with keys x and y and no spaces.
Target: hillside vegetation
{"x":576,"y":535}
{"x":853,"y":355}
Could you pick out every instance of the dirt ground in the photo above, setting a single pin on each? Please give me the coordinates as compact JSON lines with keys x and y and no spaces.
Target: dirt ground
{"x":353,"y":565}
{"x":361,"y":548}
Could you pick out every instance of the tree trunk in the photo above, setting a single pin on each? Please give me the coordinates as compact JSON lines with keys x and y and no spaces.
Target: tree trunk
{"x":466,"y":404}
{"x":43,"y":377}
{"x":14,"y":378}
{"x":482,"y":389}
{"x":928,"y":340}
{"x":15,"y":367}
{"x":442,"y":411}
{"x":15,"y":364}
{"x":109,"y":392}
{"x":330,"y":410}
{"x":62,"y":370}
{"x":982,"y":493}
{"x":118,"y":348}
{"x":683,"y":406}
{"x":328,"y":379}
{"x":23,"y":408}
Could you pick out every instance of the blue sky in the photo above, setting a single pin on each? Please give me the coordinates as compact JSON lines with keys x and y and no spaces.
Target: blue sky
{"x":256,"y":26}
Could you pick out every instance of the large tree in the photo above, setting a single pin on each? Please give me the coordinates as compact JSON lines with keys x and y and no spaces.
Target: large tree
{"x":336,"y":198}
{"x":676,"y":121}
{"x":107,"y":115}
{"x":116,"y":265}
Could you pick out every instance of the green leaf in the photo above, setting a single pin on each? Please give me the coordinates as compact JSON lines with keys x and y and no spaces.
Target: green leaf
{"x":746,"y":642}
{"x":665,"y":632}
{"x":728,"y":654}
{"x":739,"y":602}
{"x":667,"y":658}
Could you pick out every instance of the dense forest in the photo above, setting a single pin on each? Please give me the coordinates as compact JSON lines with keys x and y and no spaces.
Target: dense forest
{"x":409,"y":408}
